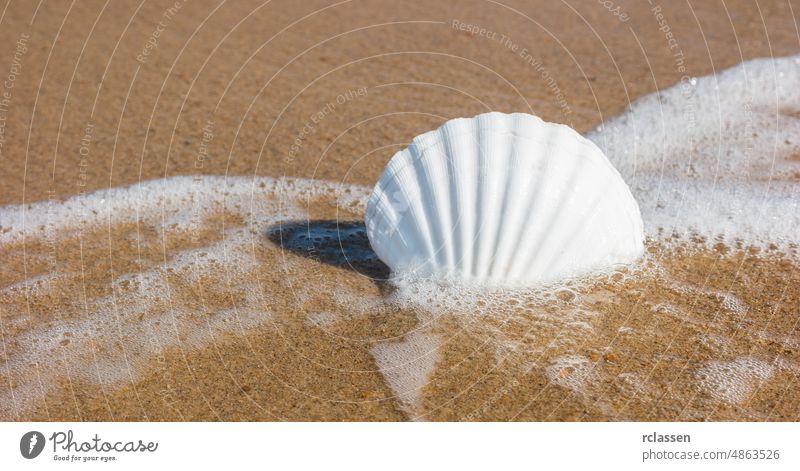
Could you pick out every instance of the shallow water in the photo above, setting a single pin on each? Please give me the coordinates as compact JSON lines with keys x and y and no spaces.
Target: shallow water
{"x":140,"y":289}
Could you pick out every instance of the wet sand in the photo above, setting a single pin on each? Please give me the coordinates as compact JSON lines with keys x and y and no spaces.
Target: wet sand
{"x":310,"y":330}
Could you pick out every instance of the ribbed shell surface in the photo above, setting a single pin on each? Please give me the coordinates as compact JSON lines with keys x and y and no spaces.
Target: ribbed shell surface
{"x":502,"y":199}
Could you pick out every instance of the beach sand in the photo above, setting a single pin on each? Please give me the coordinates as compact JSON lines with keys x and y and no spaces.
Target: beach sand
{"x":224,"y":311}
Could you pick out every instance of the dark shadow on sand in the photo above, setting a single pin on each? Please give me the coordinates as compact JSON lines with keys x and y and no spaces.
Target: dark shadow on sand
{"x":343,"y":244}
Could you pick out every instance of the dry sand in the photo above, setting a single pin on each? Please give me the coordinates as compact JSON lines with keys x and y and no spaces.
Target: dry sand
{"x":228,"y":89}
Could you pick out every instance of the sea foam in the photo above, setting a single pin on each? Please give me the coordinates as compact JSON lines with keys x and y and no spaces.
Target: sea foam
{"x":716,"y":156}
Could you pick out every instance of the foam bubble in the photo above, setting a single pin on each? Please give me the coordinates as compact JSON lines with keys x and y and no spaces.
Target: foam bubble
{"x":716,"y":158}
{"x":729,"y":175}
{"x":321,"y":319}
{"x":175,"y":203}
{"x":406,"y":366}
{"x":570,"y":371}
{"x":727,"y":301}
{"x":734,"y":381}
{"x":108,"y":339}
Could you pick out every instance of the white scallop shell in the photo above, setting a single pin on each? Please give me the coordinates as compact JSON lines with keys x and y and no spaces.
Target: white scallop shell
{"x":502,"y":200}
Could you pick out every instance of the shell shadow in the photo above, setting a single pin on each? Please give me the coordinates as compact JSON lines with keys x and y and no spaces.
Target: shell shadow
{"x":342,"y":244}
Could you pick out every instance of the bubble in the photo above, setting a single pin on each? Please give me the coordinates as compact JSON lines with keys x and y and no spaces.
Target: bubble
{"x":734,"y":381}
{"x":406,"y":365}
{"x":570,"y":372}
{"x":716,"y":170}
{"x":111,"y":338}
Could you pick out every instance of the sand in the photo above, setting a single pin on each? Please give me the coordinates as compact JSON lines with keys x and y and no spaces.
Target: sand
{"x":299,"y":330}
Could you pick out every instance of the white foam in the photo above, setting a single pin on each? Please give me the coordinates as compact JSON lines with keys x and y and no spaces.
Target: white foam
{"x":631,"y":384}
{"x":174,"y":203}
{"x":734,"y":381}
{"x":706,"y":174}
{"x":406,"y":366}
{"x":321,"y":319}
{"x":716,"y":157}
{"x":570,"y":372}
{"x":111,"y":338}
{"x":728,"y":301}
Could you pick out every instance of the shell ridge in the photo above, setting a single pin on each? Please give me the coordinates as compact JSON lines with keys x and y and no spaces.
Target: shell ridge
{"x":374,"y":214}
{"x":598,"y":205}
{"x":584,"y":255}
{"x":524,"y":162}
{"x":389,"y":215}
{"x":423,"y":141}
{"x":424,"y":185}
{"x":509,"y":190}
{"x":559,"y":206}
{"x":454,"y":208}
{"x":469,"y":194}
{"x":417,"y":207}
{"x":506,"y":131}
{"x":532,"y":216}
{"x":554,"y":212}
{"x":480,"y":189}
{"x":445,"y":208}
{"x":486,"y":233}
{"x":578,"y":230}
